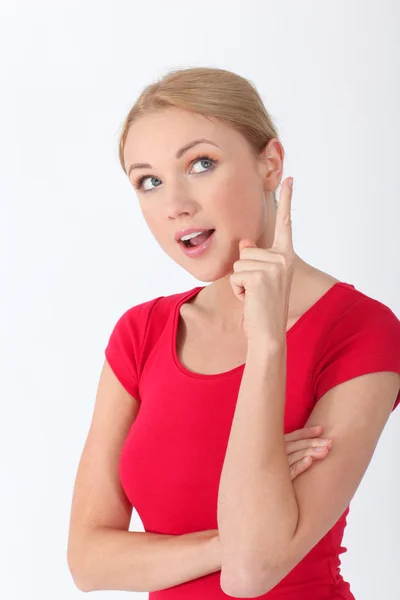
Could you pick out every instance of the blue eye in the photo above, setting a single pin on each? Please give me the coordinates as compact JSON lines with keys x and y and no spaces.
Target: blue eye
{"x":204,"y":157}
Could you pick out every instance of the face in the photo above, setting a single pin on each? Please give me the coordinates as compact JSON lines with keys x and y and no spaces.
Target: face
{"x":219,"y":186}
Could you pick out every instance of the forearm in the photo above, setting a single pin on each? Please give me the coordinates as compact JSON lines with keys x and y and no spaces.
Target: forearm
{"x":257,"y":508}
{"x":133,"y":561}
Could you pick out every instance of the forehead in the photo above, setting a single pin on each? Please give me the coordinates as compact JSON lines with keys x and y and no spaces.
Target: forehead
{"x":156,"y":137}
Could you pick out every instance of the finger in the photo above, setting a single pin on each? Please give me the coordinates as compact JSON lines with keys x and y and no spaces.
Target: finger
{"x":307,"y":443}
{"x":305,"y":432}
{"x":260,"y":254}
{"x":300,"y":466}
{"x":246,"y":243}
{"x":255,"y":264}
{"x":283,"y":236}
{"x":294,"y":457}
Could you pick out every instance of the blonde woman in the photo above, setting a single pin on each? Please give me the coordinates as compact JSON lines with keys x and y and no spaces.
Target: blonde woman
{"x":209,"y":400}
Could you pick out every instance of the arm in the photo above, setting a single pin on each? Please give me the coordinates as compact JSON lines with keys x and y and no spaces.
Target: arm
{"x":114,"y":559}
{"x":102,"y":553}
{"x":257,"y":508}
{"x":256,"y":496}
{"x":167,"y":560}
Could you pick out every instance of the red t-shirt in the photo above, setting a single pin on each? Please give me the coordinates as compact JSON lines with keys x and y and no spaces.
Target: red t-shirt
{"x":172,"y":458}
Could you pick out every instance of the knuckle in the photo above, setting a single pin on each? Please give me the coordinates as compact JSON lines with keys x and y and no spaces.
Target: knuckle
{"x":316,"y":443}
{"x":259,"y":276}
{"x":283,"y":259}
{"x":276,"y":268}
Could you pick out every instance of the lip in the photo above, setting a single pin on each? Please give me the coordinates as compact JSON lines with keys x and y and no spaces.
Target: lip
{"x":195,"y":251}
{"x":182,"y":232}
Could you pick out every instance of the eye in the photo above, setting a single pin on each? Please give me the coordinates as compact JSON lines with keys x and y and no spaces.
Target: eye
{"x":204,"y":158}
{"x":139,"y":183}
{"x":199,"y":159}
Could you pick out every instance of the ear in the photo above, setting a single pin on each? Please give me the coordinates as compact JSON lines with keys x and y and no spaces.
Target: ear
{"x":271,"y":159}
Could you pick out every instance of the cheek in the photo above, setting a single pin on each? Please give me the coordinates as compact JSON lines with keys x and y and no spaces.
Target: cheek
{"x":162,"y":234}
{"x":238,"y":199}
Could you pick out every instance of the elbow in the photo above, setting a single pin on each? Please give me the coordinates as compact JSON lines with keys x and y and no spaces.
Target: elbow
{"x":242,"y":575}
{"x":76,"y":565}
{"x":244,"y":583}
{"x":253,"y":583}
{"x":251,"y":589}
{"x":255,"y":575}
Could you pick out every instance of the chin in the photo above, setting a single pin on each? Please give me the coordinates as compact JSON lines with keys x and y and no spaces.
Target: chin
{"x":214,"y":265}
{"x":209,"y":272}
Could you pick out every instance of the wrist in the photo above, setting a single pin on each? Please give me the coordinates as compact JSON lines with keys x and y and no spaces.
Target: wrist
{"x":266,"y":348}
{"x":214,"y":549}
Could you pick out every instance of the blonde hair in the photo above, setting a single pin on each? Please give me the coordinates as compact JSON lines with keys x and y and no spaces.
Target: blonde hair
{"x":213,"y":93}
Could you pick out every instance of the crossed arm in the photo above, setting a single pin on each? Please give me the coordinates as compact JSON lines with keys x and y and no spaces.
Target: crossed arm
{"x":268,"y":523}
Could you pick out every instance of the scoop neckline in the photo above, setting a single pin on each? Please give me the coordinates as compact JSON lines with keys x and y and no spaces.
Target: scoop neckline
{"x":193,"y":292}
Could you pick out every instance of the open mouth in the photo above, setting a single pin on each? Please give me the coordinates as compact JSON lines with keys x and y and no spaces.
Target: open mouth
{"x":198,"y":240}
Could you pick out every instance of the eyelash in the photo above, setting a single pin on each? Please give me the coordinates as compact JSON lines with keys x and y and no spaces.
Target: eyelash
{"x":139,"y":182}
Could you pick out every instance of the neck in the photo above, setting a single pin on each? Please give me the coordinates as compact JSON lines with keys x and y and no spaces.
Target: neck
{"x":226,"y":311}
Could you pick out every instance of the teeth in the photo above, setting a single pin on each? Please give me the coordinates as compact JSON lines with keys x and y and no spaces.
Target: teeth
{"x":190,"y":235}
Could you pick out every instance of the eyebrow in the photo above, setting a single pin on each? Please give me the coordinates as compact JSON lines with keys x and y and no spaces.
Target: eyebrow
{"x":179,"y":153}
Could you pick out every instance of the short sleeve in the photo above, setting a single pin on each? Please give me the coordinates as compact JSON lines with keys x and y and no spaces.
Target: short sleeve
{"x":366,"y":339}
{"x":123,"y":348}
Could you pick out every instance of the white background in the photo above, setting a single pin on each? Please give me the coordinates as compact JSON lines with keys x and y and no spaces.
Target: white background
{"x":76,"y":252}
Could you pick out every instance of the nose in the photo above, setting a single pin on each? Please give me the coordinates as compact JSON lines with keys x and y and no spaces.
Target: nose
{"x":178,"y":202}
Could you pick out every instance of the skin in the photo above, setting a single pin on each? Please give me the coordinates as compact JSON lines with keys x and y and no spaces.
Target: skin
{"x":233,"y":196}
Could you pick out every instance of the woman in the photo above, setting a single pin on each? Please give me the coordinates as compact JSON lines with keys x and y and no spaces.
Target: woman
{"x":205,"y":394}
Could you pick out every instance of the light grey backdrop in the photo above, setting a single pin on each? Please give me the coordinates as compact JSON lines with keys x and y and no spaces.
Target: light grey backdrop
{"x":76,"y":252}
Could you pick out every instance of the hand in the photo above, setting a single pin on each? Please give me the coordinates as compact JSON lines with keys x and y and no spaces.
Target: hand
{"x":299,"y":444}
{"x":262,"y":278}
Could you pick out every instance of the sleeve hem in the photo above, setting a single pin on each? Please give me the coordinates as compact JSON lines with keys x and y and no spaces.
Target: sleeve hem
{"x":124,"y":380}
{"x":372,"y":363}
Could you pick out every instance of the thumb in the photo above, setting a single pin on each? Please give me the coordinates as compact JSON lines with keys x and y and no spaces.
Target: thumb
{"x":246,"y":243}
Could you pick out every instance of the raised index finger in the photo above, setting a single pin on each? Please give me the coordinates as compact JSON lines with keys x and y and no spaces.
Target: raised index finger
{"x":283,"y":239}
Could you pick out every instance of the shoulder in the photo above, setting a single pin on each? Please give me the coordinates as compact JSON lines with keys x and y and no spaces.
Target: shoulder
{"x":361,"y":335}
{"x":156,"y":307}
{"x":137,"y":323}
{"x":361,"y":312}
{"x":348,"y":306}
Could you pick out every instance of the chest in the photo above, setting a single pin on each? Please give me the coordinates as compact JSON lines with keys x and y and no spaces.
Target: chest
{"x":172,"y":459}
{"x":204,"y":350}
